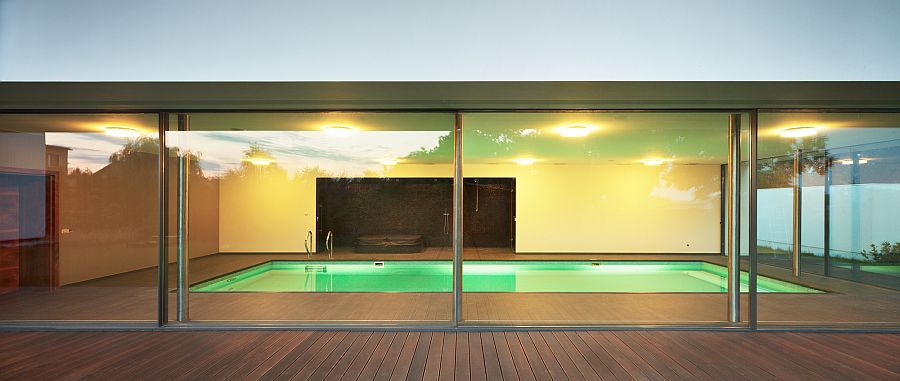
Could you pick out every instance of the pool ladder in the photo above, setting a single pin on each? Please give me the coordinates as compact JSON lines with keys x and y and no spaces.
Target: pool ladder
{"x":329,"y":244}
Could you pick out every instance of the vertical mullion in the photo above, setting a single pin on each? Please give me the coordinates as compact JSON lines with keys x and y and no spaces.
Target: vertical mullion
{"x":826,"y":223}
{"x":163,"y":222}
{"x":183,"y":173}
{"x":733,"y":218}
{"x":797,"y":212}
{"x":457,"y":219}
{"x":751,"y":204}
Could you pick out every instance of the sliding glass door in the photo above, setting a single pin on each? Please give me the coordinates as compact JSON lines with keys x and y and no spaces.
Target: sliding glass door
{"x":317,"y":218}
{"x":596,"y":218}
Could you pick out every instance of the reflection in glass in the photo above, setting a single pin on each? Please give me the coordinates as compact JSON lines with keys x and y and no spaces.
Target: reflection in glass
{"x":78,"y":217}
{"x":841,"y":184}
{"x":609,"y":199}
{"x":310,"y":192}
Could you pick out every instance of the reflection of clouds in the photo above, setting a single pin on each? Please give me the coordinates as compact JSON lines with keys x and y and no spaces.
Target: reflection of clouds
{"x":664,"y":189}
{"x":294,"y":151}
{"x":87,"y":150}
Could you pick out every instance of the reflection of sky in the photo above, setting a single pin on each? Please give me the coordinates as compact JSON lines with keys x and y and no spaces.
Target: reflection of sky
{"x":294,"y":151}
{"x":87,"y":150}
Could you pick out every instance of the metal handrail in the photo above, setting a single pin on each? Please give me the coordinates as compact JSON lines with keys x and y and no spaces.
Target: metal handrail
{"x":307,"y":243}
{"x":329,"y":244}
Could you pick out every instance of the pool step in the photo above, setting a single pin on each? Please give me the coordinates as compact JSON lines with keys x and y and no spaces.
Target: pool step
{"x":316,"y":269}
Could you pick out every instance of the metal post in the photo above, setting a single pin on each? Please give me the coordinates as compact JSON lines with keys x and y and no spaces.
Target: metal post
{"x":723,"y":208}
{"x":855,"y":226}
{"x":733,"y":189}
{"x":751,"y":204}
{"x":183,"y":254}
{"x":826,"y":223}
{"x":798,"y":210}
{"x":162,"y":277}
{"x":457,"y":219}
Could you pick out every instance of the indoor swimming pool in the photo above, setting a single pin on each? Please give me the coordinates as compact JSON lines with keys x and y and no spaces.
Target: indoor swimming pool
{"x":488,"y":276}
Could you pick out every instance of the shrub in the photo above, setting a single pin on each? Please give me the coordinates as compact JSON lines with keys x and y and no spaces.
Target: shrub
{"x":886,"y":253}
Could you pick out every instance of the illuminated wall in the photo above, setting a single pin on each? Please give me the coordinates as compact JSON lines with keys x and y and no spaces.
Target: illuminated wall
{"x":560,"y":208}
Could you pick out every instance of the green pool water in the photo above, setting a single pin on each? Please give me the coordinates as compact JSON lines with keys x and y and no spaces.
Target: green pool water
{"x":486,"y":276}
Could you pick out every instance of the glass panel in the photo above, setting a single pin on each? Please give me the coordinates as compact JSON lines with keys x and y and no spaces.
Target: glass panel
{"x":847,"y":171}
{"x":595,"y":218}
{"x":78,"y":217}
{"x":318,"y":217}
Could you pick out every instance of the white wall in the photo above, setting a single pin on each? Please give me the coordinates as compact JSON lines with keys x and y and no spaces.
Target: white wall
{"x":559,"y":208}
{"x":860,"y":215}
{"x":318,"y":40}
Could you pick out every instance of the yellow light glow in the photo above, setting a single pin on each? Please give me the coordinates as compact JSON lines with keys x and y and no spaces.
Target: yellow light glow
{"x":653,"y":161}
{"x":799,"y":132}
{"x":261,"y":161}
{"x":340,"y":131}
{"x":389,"y":162}
{"x":575,"y":131}
{"x":525,"y":161}
{"x":122,"y":132}
{"x":850,"y":161}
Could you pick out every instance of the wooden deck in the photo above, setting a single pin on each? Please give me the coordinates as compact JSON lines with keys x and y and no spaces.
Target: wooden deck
{"x":563,"y":355}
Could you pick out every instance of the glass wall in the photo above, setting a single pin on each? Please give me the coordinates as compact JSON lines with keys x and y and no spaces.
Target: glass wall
{"x":568,"y":218}
{"x":595,"y":218}
{"x":829,"y":197}
{"x":313,"y":217}
{"x":78,"y":217}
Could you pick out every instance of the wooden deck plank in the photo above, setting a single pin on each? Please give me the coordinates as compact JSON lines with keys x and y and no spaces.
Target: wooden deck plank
{"x":355,"y":359}
{"x":535,"y":362}
{"x":553,"y":367}
{"x":560,"y":355}
{"x":462,"y":369}
{"x":463,"y":356}
{"x":433,"y":359}
{"x":416,"y":366}
{"x":491,"y":360}
{"x":477,"y":370}
{"x":507,"y":366}
{"x":370,"y":368}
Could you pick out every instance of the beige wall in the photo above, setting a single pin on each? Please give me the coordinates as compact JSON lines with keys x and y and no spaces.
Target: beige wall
{"x":560,"y":208}
{"x":94,"y":249}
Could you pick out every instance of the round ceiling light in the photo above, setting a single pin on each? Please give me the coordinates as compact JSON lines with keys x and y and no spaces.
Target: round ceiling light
{"x":122,"y":132}
{"x":653,"y":161}
{"x":525,"y":161}
{"x":799,"y":132}
{"x":341,"y":131}
{"x":575,"y":131}
{"x":850,"y":161}
{"x":260,"y":161}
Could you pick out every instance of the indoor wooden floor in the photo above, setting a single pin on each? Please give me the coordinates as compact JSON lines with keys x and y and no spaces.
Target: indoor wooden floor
{"x":562,"y":355}
{"x":132,"y":297}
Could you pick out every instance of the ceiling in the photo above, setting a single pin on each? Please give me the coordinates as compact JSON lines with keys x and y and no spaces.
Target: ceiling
{"x":494,"y":137}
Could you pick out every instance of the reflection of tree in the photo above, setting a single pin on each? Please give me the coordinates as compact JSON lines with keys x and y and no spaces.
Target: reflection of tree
{"x":500,"y":142}
{"x":778,"y":172}
{"x":118,"y":203}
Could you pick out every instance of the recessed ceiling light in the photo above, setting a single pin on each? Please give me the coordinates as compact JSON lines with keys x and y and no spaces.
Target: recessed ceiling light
{"x":389,"y":162}
{"x":122,"y":132}
{"x":525,"y":161}
{"x":575,"y":131}
{"x":850,"y":161}
{"x":652,"y":161}
{"x":342,"y":131}
{"x":798,"y":132}
{"x":260,"y":161}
